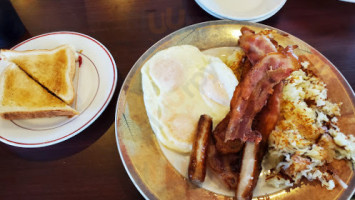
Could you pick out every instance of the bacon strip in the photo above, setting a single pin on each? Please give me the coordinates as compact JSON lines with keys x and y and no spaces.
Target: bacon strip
{"x":256,"y":46}
{"x":272,"y":64}
{"x":252,"y":93}
{"x":231,"y":146}
{"x":253,"y":152}
{"x":197,"y":165}
{"x":267,"y":118}
{"x":226,"y":166}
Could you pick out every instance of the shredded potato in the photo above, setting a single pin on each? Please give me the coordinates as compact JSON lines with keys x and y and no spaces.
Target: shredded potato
{"x":307,"y":137}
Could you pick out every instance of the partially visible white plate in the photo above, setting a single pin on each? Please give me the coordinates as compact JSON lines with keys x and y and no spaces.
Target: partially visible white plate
{"x":95,"y":83}
{"x":252,"y":10}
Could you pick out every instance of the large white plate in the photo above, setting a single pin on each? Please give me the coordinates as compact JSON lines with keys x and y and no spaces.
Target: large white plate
{"x":253,"y":10}
{"x":95,"y":83}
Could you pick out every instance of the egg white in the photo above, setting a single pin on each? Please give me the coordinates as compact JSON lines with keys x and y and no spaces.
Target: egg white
{"x":180,"y":84}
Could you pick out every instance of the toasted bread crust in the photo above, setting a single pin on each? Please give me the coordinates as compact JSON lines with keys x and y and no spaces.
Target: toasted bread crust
{"x":37,"y":114}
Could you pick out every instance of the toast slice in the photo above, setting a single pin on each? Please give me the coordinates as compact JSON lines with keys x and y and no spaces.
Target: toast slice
{"x":23,"y":98}
{"x":54,"y":69}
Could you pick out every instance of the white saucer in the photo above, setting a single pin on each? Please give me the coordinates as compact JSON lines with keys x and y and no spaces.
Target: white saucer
{"x":252,"y":10}
{"x":95,"y":83}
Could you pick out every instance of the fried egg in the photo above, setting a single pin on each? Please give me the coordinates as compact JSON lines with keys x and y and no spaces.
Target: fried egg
{"x":180,"y":84}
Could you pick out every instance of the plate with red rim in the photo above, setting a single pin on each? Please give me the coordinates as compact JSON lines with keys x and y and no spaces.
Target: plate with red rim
{"x":95,"y":82}
{"x":147,"y":164}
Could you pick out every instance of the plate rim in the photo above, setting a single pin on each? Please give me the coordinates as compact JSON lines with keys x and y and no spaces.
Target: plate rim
{"x":83,"y":126}
{"x":132,"y":173}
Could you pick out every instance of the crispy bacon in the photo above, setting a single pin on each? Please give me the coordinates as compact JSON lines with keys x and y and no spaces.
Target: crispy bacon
{"x":253,"y":152}
{"x":197,"y":165}
{"x":267,"y":118}
{"x":252,"y":93}
{"x":256,"y":46}
{"x":231,"y":146}
{"x":226,"y":166}
{"x":237,"y":150}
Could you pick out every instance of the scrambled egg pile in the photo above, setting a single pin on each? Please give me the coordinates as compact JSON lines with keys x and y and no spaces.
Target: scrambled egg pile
{"x":307,"y":136}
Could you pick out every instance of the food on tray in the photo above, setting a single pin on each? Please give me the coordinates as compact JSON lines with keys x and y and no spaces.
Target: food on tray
{"x":54,"y":69}
{"x":179,"y":84}
{"x":21,"y":97}
{"x":279,"y":115}
{"x":198,"y":158}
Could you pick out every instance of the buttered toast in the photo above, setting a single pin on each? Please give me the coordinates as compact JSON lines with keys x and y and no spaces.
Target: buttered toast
{"x":21,"y":97}
{"x":54,"y":69}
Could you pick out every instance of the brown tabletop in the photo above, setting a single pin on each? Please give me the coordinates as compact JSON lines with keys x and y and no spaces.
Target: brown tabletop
{"x":88,"y":166}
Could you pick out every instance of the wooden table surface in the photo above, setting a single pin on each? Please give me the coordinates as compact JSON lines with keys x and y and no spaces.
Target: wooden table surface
{"x":88,"y":165}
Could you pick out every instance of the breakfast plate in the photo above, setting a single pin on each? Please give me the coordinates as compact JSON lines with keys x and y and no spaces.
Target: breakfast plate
{"x":95,"y":82}
{"x":253,"y":11}
{"x":147,"y":161}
